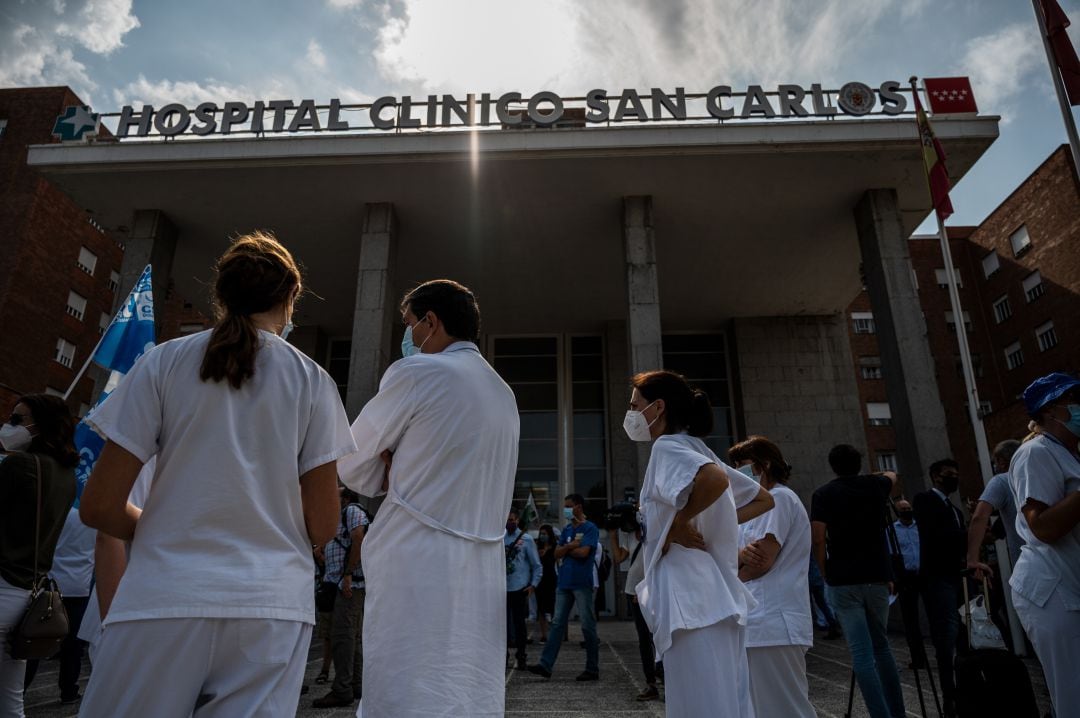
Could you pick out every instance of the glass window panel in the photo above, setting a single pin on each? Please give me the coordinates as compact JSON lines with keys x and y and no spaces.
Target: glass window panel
{"x":592,"y":484}
{"x":721,"y":423}
{"x":717,"y":391}
{"x":587,"y":368}
{"x":536,"y":397}
{"x":693,"y":343}
{"x":586,"y":345}
{"x":588,"y":424}
{"x":699,"y":366}
{"x":519,"y":346}
{"x":538,"y":452}
{"x":720,"y":445}
{"x":519,"y":369}
{"x":589,"y":452}
{"x":539,"y":424}
{"x":589,"y":396}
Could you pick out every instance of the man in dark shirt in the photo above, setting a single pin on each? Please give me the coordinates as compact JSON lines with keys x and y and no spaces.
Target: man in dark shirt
{"x":942,"y":558}
{"x":847,"y":523}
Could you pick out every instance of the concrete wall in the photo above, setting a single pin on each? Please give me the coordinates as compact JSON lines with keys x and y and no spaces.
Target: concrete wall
{"x":798,"y":390}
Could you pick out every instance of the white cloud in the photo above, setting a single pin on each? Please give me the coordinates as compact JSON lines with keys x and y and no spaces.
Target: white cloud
{"x":29,"y":57}
{"x":187,"y":92}
{"x":342,"y":4}
{"x":100,"y":25}
{"x":315,"y":55}
{"x":999,"y":63}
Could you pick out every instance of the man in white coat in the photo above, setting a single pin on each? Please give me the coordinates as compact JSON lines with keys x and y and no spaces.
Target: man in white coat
{"x":441,"y":439}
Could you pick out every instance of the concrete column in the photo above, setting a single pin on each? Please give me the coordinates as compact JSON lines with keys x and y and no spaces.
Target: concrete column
{"x":152,"y":241}
{"x":643,"y":297}
{"x":375,"y":307}
{"x":914,"y":399}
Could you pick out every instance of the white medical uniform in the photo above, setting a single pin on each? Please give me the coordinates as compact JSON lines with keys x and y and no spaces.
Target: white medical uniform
{"x":1046,"y":580}
{"x":435,"y":610}
{"x":693,"y":601}
{"x":73,"y":562}
{"x":779,"y":629}
{"x":222,"y":535}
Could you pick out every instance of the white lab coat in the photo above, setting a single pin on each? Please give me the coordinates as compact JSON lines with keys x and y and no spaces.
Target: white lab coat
{"x":689,"y":590}
{"x":435,"y":625}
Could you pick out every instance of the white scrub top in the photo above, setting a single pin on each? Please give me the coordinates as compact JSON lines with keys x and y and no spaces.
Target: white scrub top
{"x":73,"y":561}
{"x":222,"y":534}
{"x":689,"y":588}
{"x":1044,"y":470}
{"x":782,"y":614}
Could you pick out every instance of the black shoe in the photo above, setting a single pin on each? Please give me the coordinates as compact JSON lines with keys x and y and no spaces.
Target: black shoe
{"x":332,"y":701}
{"x":521,"y":664}
{"x":833,"y":634}
{"x":69,"y":699}
{"x":304,"y":689}
{"x":588,"y":676}
{"x":538,"y":670}
{"x":649,"y":694}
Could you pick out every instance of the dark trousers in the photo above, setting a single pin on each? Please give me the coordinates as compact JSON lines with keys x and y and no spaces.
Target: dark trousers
{"x":939,"y":595}
{"x":645,"y":645}
{"x":517,"y":610}
{"x":908,"y":595}
{"x":346,"y":645}
{"x":71,"y":650}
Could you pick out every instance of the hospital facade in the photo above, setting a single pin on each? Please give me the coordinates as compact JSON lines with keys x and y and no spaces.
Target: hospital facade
{"x":728,"y":249}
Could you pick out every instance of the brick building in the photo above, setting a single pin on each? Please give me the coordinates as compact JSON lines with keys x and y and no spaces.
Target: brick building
{"x":60,"y":278}
{"x":1019,"y":273}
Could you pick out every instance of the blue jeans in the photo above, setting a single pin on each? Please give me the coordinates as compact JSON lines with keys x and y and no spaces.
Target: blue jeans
{"x":564,"y":601}
{"x":863,"y":612}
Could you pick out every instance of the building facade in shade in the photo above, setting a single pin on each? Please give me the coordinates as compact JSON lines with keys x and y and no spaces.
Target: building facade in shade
{"x":725,"y":248}
{"x":1019,"y":274}
{"x":60,"y":279}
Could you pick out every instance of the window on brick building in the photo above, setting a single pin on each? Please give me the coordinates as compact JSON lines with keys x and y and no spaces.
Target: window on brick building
{"x":878,"y":413}
{"x":886,"y":461}
{"x":1014,"y":356}
{"x":990,"y":264}
{"x":950,"y":322}
{"x":1033,"y":286}
{"x":3,"y":128}
{"x":114,"y":281}
{"x":1002,"y":308}
{"x":104,"y":323}
{"x":87,"y":261}
{"x":870,"y":367}
{"x":65,"y":352}
{"x":1020,"y":240}
{"x":943,"y":280}
{"x":76,"y":305}
{"x":1046,"y":335}
{"x":976,"y":365}
{"x":864,"y":322}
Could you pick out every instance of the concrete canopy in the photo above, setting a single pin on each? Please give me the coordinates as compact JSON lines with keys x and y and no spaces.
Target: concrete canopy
{"x":752,"y":219}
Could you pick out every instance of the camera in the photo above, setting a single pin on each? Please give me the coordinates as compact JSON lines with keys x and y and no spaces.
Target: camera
{"x":621,"y":516}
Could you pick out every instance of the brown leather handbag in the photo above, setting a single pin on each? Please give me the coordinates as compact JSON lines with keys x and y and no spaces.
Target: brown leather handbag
{"x":45,"y":624}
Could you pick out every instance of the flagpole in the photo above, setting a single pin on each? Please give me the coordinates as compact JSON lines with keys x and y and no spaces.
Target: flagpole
{"x":86,"y":364}
{"x":1059,"y":87}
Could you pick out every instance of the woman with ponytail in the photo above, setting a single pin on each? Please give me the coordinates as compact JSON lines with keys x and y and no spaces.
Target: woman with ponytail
{"x":246,"y":432}
{"x":772,"y":563}
{"x":692,"y":503}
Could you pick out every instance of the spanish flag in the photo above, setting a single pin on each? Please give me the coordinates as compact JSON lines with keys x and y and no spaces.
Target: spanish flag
{"x":937,"y":175}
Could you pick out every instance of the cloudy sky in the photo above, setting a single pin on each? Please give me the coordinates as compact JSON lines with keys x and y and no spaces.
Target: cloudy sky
{"x":117,"y":52}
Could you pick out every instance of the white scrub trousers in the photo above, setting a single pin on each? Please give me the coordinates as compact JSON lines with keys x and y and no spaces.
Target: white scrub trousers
{"x":1055,"y":633}
{"x":701,"y":672}
{"x":202,"y":667}
{"x":778,"y":685}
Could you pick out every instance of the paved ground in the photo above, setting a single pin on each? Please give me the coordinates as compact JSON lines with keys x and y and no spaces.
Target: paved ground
{"x":828,"y":669}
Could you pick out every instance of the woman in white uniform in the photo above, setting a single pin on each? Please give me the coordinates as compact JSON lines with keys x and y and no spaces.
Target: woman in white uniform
{"x":772,"y":563}
{"x":214,"y":611}
{"x":1045,"y":479}
{"x":691,"y":595}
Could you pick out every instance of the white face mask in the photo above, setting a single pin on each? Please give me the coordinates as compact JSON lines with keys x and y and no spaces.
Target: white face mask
{"x":637,"y":426}
{"x":15,"y":438}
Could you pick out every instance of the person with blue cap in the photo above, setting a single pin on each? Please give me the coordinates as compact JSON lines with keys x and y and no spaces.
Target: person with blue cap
{"x":1044,"y":476}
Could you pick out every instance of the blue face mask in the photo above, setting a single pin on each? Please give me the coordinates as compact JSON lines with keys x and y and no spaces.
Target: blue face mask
{"x":286,"y":330}
{"x":568,"y":513}
{"x":409,"y":349}
{"x":1073,"y":424}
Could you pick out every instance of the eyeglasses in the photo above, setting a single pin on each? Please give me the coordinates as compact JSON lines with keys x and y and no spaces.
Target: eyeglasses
{"x":16,"y":418}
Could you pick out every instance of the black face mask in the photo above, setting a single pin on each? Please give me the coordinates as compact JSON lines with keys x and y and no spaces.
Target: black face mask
{"x":949,"y":484}
{"x":906,"y":517}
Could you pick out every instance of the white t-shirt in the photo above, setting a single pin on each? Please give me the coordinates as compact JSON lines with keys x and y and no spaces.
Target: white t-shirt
{"x":688,"y":588}
{"x":222,"y":534}
{"x":782,"y":614}
{"x":73,"y":561}
{"x":1044,"y":470}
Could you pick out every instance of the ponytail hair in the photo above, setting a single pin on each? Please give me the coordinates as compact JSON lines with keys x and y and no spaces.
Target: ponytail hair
{"x":761,"y":451}
{"x":685,"y":408}
{"x":254,"y":275}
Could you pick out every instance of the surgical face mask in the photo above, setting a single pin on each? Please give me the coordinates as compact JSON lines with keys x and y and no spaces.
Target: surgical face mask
{"x":568,"y":513}
{"x":286,"y":330}
{"x":1073,"y":424}
{"x":15,"y":438}
{"x":748,"y":470}
{"x":409,"y":349}
{"x":637,"y":426}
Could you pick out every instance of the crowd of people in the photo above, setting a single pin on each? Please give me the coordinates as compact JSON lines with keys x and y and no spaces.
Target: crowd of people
{"x":230,"y":474}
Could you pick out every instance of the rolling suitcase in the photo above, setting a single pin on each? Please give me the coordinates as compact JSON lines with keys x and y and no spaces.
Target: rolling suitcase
{"x":991,"y":681}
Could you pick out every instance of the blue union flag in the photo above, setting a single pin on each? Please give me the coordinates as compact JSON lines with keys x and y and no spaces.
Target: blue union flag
{"x":128,"y":337}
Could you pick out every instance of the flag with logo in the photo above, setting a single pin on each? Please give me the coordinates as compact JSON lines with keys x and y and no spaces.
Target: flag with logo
{"x":529,"y":514}
{"x":1062,"y":49}
{"x":937,"y":175}
{"x":128,"y":337}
